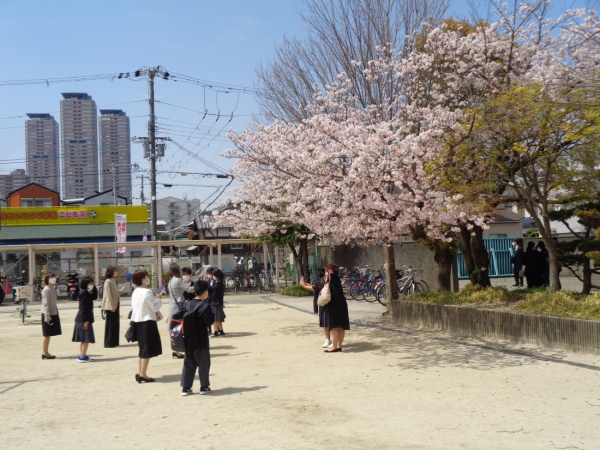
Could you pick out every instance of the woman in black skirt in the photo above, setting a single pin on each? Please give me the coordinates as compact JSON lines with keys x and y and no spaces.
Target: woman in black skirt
{"x":83,"y":332}
{"x":335,"y":313}
{"x":217,"y":292}
{"x":111,"y":306}
{"x":316,"y":288}
{"x":144,"y":305}
{"x":50,"y":319}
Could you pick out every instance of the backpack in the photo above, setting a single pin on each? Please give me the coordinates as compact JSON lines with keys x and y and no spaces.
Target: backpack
{"x":180,"y":321}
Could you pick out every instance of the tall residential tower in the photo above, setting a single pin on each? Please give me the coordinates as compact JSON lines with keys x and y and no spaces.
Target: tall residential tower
{"x":115,"y":152}
{"x":79,"y":138}
{"x":42,"y":150}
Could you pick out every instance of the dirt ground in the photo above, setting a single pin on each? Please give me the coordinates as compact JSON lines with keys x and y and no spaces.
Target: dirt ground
{"x":273,"y":387}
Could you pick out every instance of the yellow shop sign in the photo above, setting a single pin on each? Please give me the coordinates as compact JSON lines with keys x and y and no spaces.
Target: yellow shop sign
{"x":69,"y":215}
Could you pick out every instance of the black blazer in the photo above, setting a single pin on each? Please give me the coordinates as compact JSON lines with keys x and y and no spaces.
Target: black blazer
{"x":518,"y":258}
{"x":217,"y":292}
{"x":196,"y":336}
{"x":86,"y":305}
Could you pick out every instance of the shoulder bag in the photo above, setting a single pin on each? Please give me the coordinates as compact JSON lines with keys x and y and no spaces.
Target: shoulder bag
{"x":324,"y":295}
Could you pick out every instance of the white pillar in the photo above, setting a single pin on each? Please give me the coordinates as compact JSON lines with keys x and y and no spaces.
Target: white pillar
{"x":96,"y":265}
{"x":219,"y":256}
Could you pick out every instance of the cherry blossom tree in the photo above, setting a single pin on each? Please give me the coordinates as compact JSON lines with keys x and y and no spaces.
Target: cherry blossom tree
{"x":351,"y":173}
{"x":531,"y":135}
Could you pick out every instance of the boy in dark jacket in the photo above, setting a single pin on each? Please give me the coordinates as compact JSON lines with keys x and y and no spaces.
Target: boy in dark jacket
{"x":198,"y":318}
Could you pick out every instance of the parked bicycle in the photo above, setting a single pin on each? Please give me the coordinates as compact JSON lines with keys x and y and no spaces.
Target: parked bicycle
{"x":409,"y":283}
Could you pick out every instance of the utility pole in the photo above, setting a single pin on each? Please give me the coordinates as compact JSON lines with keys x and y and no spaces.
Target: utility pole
{"x":157,"y":275}
{"x":152,"y":142}
{"x":142,"y":197}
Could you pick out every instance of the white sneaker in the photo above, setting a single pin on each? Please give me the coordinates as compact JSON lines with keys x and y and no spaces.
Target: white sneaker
{"x":327,"y":343}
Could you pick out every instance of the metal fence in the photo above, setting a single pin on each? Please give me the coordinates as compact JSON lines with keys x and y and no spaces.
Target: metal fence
{"x":499,"y":251}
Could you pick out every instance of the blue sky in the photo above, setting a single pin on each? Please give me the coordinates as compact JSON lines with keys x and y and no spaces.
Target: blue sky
{"x":215,"y":41}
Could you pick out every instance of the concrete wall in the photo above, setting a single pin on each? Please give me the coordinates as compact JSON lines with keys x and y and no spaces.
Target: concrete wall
{"x":552,"y":332}
{"x":406,"y":253}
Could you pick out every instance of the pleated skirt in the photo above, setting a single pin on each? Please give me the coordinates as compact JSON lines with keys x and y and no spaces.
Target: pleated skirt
{"x":81,"y":335}
{"x":218,"y":313}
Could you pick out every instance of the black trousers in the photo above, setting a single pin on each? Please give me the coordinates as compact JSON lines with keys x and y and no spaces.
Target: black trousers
{"x":518,"y":279}
{"x":197,"y":360}
{"x":112,"y":328}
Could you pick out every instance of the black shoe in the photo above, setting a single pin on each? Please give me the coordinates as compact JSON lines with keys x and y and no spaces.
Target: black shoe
{"x":186,"y":391}
{"x":141,"y":379}
{"x":221,"y":333}
{"x":178,"y":356}
{"x":515,"y":285}
{"x":204,"y":390}
{"x":48,"y":356}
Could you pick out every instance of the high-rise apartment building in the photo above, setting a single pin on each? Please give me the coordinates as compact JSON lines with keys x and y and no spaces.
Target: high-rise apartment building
{"x":115,"y":152}
{"x":16,"y":180}
{"x":79,"y":139}
{"x":42,"y":150}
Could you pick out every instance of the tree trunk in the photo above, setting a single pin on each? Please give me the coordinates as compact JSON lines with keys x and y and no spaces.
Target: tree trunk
{"x":444,"y":258}
{"x":297,"y":260}
{"x":304,"y":268}
{"x":391,"y":293}
{"x":481,"y":258}
{"x":475,"y":255}
{"x":587,"y":276}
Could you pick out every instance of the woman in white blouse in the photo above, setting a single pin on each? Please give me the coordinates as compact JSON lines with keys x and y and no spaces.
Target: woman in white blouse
{"x":144,"y":305}
{"x":50,"y":318}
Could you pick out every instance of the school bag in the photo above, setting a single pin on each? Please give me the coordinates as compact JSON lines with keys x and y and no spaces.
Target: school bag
{"x":182,"y":320}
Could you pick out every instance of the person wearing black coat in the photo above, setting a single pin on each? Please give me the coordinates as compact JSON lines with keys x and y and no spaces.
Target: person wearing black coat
{"x":335,"y":313}
{"x":544,"y":258}
{"x":83,"y":332}
{"x":217,"y":292}
{"x":197,"y":353}
{"x":518,"y":260}
{"x":316,"y":287}
{"x":531,"y":266}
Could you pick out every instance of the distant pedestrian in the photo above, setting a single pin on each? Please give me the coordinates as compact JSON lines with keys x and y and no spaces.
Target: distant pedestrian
{"x":111,"y":305}
{"x":50,"y":318}
{"x":532,"y":266}
{"x":186,"y":276}
{"x":518,"y":259}
{"x":210,"y":279}
{"x":197,"y":353}
{"x":544,"y":263}
{"x":83,"y":332}
{"x":177,"y":288}
{"x":217,"y":293}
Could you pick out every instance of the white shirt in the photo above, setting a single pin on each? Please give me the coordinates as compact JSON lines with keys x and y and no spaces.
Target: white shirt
{"x":144,"y":305}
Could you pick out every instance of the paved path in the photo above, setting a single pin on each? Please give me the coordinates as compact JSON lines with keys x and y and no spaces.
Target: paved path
{"x":275,"y":388}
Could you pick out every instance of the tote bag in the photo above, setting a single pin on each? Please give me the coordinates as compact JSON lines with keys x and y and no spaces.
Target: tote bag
{"x":324,"y":295}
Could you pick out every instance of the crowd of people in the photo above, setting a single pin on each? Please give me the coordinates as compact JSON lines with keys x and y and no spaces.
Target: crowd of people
{"x":531,"y":263}
{"x":202,"y":299}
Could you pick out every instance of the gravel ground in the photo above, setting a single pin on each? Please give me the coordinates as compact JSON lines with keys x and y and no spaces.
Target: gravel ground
{"x":273,"y":387}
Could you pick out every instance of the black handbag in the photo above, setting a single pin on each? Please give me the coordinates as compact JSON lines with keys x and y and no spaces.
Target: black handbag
{"x":131,"y":333}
